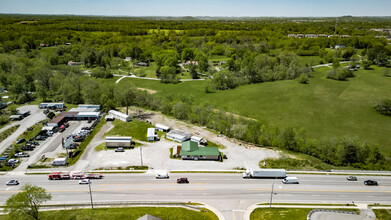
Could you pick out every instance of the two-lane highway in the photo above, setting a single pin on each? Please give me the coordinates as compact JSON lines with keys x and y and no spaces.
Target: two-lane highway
{"x":225,"y":192}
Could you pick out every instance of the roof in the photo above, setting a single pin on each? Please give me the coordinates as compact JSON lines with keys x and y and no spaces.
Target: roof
{"x":148,"y":217}
{"x":202,"y":151}
{"x":15,"y":116}
{"x":118,"y":113}
{"x":60,"y":159}
{"x":83,"y":110}
{"x":89,"y":106}
{"x":118,"y":138}
{"x":61,"y":116}
{"x":179,"y":133}
{"x":189,"y":146}
{"x":118,"y":141}
{"x":195,"y":138}
{"x":96,"y":114}
{"x":151,"y":132}
{"x":162,"y":127}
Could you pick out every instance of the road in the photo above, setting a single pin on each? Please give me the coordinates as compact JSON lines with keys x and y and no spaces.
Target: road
{"x":228,"y":193}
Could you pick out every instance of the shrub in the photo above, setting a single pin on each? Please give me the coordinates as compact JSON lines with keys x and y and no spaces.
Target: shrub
{"x":383,"y":106}
{"x":303,"y":78}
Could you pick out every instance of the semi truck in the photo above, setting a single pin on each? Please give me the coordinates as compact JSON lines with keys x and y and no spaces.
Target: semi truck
{"x":265,"y":173}
{"x":59,"y":176}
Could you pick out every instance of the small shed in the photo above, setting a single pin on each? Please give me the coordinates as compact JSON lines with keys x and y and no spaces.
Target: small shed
{"x":151,"y":134}
{"x":16,"y":117}
{"x":163,"y":128}
{"x":119,"y":115}
{"x":118,"y":141}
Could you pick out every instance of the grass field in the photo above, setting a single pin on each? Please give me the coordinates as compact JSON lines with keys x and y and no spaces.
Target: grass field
{"x":125,"y":213}
{"x":324,"y":108}
{"x":382,"y":214}
{"x":135,"y":129}
{"x":281,"y":213}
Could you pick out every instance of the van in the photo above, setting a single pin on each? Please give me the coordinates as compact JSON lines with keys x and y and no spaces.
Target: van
{"x":162,"y":175}
{"x":290,"y":180}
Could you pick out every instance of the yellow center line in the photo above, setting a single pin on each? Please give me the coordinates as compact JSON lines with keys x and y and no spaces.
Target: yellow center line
{"x":322,"y":190}
{"x":101,"y":190}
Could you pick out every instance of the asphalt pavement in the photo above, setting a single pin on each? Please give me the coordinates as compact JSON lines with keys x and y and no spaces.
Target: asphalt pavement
{"x":230,"y":194}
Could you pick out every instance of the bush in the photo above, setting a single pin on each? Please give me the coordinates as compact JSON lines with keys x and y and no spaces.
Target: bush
{"x":383,"y":106}
{"x":303,"y":78}
{"x":341,"y":74}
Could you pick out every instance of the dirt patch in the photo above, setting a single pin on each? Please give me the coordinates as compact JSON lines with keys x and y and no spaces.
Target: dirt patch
{"x":150,"y":91}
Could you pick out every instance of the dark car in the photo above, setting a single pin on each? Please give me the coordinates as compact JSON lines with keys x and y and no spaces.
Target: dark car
{"x":26,"y":148}
{"x":40,"y":138}
{"x":33,"y":142}
{"x":20,"y":141}
{"x":182,"y":180}
{"x":66,"y":124}
{"x":78,"y":139}
{"x":370,"y":183}
{"x":120,"y":149}
{"x":351,"y":178}
{"x":86,"y":128}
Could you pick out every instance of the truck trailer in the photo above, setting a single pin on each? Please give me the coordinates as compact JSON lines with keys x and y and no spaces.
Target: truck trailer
{"x":265,"y":173}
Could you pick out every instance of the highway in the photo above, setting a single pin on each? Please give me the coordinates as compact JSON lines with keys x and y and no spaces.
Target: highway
{"x":226,"y":192}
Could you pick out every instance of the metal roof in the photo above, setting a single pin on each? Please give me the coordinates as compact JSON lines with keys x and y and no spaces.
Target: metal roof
{"x":202,"y":151}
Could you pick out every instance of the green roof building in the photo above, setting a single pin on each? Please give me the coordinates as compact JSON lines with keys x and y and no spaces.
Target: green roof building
{"x":191,"y":151}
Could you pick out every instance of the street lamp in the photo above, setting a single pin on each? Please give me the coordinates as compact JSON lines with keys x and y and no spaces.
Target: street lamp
{"x":92,"y":204}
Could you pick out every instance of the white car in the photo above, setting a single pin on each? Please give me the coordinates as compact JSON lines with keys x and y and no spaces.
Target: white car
{"x":13,"y":161}
{"x":49,"y":133}
{"x":12,"y":183}
{"x":84,"y":181}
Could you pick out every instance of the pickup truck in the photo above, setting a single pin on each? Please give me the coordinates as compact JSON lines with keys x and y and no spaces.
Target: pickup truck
{"x":21,"y":154}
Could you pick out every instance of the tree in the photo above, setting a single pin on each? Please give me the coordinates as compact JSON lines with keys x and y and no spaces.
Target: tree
{"x":125,"y":95}
{"x":366,"y":64}
{"x":193,"y":72}
{"x":26,"y":204}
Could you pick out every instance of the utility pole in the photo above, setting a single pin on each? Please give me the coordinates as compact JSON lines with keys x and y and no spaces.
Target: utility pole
{"x":141,"y":155}
{"x":92,"y":203}
{"x":271,"y":196}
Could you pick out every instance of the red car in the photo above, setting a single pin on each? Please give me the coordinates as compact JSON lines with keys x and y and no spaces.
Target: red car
{"x":182,"y":180}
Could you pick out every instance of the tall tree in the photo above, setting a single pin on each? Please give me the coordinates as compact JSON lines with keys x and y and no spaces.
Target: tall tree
{"x":26,"y":204}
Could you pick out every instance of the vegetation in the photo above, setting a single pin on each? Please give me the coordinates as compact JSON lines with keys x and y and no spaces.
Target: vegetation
{"x":8,"y":132}
{"x":255,"y":81}
{"x":135,"y":129}
{"x":280,"y":213}
{"x":383,"y":107}
{"x":127,"y":213}
{"x":382,"y":214}
{"x":26,"y":204}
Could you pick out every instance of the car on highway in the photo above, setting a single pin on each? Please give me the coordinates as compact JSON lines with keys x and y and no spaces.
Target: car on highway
{"x":182,"y":180}
{"x":120,"y":149}
{"x":370,"y":183}
{"x":290,"y":180}
{"x":85,"y":181}
{"x":351,"y":178}
{"x":12,"y":183}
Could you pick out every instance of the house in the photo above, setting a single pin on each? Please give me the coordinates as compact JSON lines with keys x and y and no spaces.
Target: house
{"x":151,"y":134}
{"x":176,"y":151}
{"x":163,"y":128}
{"x":191,"y":151}
{"x":51,"y":105}
{"x":118,"y":141}
{"x":340,"y":46}
{"x":177,"y":135}
{"x":59,"y":162}
{"x":119,"y":115}
{"x":71,"y":63}
{"x":144,"y":64}
{"x":67,"y":116}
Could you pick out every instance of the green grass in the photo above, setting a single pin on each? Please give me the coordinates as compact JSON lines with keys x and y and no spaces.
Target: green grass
{"x":8,"y":132}
{"x":382,"y":214}
{"x":125,"y":213}
{"x":310,"y":60}
{"x":282,"y":213}
{"x":135,"y":129}
{"x":324,"y":108}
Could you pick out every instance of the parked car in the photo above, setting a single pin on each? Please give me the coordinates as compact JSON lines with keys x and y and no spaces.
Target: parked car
{"x":3,"y":158}
{"x":85,"y":181}
{"x":351,"y":178}
{"x":25,"y":148}
{"x":73,"y":146}
{"x":21,"y":154}
{"x":182,"y":180}
{"x":49,"y":133}
{"x":370,"y":183}
{"x":66,"y":124}
{"x":12,"y":183}
{"x":33,"y":142}
{"x":78,"y":139}
{"x":120,"y":149}
{"x":19,"y":141}
{"x":86,"y":128}
{"x":13,"y":161}
{"x":40,"y":138}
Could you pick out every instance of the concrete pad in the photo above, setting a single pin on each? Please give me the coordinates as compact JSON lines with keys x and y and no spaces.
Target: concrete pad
{"x":337,"y":216}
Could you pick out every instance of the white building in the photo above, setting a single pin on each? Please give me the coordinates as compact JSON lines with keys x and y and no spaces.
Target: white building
{"x":163,"y":128}
{"x":118,"y":141}
{"x":97,"y":107}
{"x":119,"y":115}
{"x":177,"y":135}
{"x":151,"y":135}
{"x":59,"y":162}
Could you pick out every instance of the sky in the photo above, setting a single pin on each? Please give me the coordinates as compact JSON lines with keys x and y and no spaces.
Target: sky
{"x":230,"y":8}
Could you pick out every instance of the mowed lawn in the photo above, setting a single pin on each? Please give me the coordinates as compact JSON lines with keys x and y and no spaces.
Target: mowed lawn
{"x":325,"y":108}
{"x":135,"y":129}
{"x":125,"y":213}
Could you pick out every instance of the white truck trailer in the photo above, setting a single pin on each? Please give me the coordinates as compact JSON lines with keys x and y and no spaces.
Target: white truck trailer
{"x":265,"y":173}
